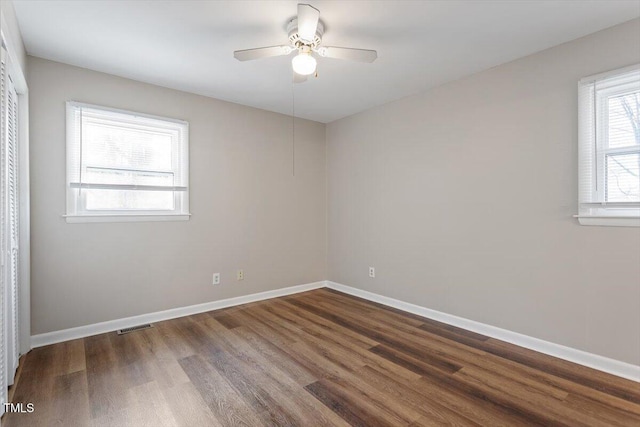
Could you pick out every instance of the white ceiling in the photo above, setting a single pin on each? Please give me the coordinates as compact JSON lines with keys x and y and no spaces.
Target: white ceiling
{"x":188,"y":45}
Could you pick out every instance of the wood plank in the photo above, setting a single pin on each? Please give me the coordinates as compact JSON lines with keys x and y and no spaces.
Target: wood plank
{"x":601,"y":412}
{"x":377,"y":335}
{"x":453,"y":399}
{"x":380,"y":308}
{"x":525,"y":398}
{"x":432,"y":410}
{"x":276,"y":384}
{"x":341,"y":351}
{"x":72,"y":403}
{"x":246,"y":381}
{"x":336,"y":367}
{"x":148,"y":406}
{"x":223,"y":400}
{"x":356,"y":412}
{"x":312,"y":321}
{"x":289,"y":391}
{"x":188,"y":407}
{"x":275,"y":355}
{"x":171,"y":332}
{"x":162,"y":363}
{"x":228,"y":321}
{"x":106,"y":385}
{"x":500,"y":402}
{"x":352,"y":415}
{"x":592,"y":378}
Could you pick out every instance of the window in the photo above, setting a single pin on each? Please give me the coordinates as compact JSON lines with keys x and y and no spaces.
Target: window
{"x":609,"y":139}
{"x":124,"y":166}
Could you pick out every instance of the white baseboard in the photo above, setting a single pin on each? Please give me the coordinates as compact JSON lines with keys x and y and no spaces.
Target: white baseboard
{"x":601,"y":363}
{"x":112,"y":325}
{"x":605,"y":364}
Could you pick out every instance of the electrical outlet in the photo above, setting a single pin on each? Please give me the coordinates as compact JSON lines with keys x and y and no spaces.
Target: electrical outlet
{"x":240,"y":275}
{"x":372,"y":272}
{"x":216,"y":278}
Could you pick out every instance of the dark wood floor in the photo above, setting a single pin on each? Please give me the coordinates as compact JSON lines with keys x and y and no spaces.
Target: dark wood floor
{"x":312,"y":359}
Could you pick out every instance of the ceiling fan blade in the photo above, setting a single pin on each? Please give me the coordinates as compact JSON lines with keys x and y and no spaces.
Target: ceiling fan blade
{"x":308,"y":17}
{"x":360,"y":55}
{"x":297,"y":78}
{"x":261,"y":52}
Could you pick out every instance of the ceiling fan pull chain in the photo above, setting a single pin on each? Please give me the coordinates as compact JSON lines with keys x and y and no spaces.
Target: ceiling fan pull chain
{"x":293,"y":129}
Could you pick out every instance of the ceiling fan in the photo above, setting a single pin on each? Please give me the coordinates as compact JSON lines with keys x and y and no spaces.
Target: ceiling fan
{"x":305,"y":36}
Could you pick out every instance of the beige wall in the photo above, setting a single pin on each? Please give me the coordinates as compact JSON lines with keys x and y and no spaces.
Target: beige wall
{"x":248,"y":210}
{"x":462,"y":198}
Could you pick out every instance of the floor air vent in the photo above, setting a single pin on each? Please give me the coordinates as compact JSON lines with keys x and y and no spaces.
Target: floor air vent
{"x":134,"y":328}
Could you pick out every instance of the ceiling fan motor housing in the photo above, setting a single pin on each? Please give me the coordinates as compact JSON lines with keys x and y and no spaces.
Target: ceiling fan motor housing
{"x":294,"y":37}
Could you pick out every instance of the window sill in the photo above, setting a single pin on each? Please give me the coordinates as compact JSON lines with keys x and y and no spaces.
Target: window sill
{"x":74,"y":219}
{"x":609,"y":221}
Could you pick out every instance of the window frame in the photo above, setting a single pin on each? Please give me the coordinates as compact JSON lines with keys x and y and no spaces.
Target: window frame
{"x":593,"y":150}
{"x":76,"y":201}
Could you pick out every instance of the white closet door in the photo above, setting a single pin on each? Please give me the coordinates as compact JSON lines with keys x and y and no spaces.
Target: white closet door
{"x":9,"y":237}
{"x":3,"y":287}
{"x":11,"y":263}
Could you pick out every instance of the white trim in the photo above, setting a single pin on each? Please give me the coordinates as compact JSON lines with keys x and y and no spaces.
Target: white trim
{"x":126,"y":187}
{"x":112,"y":325}
{"x":601,"y":363}
{"x":610,"y":73}
{"x":76,"y":219}
{"x":127,"y":112}
{"x":633,"y":205}
{"x":24,"y":246}
{"x":611,"y":221}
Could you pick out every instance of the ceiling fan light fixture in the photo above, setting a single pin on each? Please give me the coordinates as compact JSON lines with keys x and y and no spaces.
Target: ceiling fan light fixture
{"x":305,"y":36}
{"x":304,"y":64}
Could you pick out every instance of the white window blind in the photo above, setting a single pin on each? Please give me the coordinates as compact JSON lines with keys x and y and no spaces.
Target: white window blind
{"x":609,"y":152}
{"x":125,"y":164}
